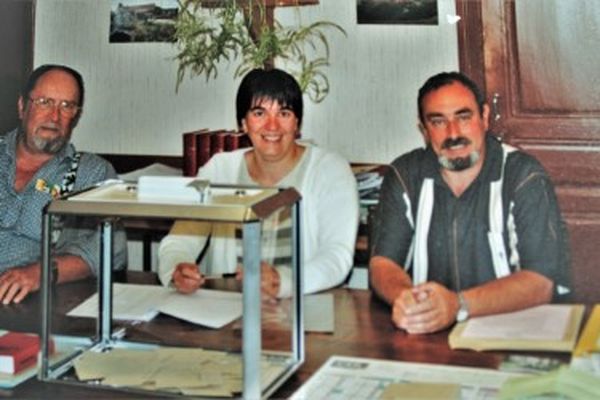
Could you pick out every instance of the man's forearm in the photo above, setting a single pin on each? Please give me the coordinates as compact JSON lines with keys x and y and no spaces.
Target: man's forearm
{"x":519,"y":290}
{"x":387,"y":278}
{"x":18,"y":282}
{"x":71,"y":268}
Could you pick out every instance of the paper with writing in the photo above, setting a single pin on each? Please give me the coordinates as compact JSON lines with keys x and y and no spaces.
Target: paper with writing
{"x":421,"y":391}
{"x":365,"y":378}
{"x":189,"y":371}
{"x":210,"y":308}
{"x":546,"y":322}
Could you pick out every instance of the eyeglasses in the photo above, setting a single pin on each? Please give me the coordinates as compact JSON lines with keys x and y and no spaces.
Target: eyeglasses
{"x":65,"y":107}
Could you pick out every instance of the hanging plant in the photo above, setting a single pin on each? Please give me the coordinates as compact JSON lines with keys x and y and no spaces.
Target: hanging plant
{"x":242,"y":30}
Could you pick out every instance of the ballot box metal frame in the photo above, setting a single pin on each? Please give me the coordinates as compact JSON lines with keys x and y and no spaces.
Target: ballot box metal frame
{"x":113,"y":201}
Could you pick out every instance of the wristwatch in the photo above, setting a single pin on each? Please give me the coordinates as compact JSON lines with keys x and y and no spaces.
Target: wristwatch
{"x":463,"y":310}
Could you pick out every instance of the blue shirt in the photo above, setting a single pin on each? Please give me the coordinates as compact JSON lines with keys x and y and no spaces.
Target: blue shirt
{"x":21,"y":212}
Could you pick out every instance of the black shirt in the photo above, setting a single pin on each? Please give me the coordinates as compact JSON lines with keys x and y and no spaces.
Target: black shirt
{"x":458,"y":248}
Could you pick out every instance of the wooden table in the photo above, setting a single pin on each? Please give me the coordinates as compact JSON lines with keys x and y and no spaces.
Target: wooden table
{"x":362,"y":329}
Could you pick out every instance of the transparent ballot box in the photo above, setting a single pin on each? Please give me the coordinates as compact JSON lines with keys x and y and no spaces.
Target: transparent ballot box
{"x":122,"y":329}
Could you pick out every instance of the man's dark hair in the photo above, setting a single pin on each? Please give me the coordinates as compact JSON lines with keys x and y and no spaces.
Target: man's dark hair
{"x":41,"y":70}
{"x":447,"y":78}
{"x":273,"y":84}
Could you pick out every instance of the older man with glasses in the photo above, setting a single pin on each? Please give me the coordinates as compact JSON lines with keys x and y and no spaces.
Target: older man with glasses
{"x":37,"y":164}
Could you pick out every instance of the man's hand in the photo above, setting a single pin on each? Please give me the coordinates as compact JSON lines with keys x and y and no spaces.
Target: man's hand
{"x":401,"y":307}
{"x":269,"y":281}
{"x":425,"y":308}
{"x":16,"y":283}
{"x":186,"y":278}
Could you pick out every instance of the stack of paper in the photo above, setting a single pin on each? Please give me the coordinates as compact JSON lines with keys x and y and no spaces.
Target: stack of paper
{"x":368,"y":184}
{"x":189,"y":371}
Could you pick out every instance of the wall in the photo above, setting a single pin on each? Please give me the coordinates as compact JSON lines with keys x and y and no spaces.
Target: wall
{"x":131,"y":105}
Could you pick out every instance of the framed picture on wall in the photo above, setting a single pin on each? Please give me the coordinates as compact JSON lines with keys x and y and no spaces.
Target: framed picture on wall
{"x":143,"y":20}
{"x":411,"y":12}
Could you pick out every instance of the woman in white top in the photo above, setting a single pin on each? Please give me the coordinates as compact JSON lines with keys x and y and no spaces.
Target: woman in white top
{"x":269,"y":110}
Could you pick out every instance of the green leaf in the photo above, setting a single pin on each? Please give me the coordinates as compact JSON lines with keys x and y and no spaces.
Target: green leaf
{"x":207,"y":37}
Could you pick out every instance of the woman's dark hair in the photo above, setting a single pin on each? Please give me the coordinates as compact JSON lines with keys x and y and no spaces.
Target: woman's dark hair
{"x":273,"y":84}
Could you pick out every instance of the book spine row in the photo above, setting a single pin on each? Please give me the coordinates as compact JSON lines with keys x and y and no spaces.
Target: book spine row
{"x":199,"y":146}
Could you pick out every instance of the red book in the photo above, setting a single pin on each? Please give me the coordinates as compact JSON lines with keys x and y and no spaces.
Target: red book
{"x":190,"y":152}
{"x":18,"y":351}
{"x":236,"y":140}
{"x":190,"y":159}
{"x":217,"y":142}
{"x":203,"y":148}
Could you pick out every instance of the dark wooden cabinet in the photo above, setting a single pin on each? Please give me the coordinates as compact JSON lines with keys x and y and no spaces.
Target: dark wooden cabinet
{"x":16,"y":50}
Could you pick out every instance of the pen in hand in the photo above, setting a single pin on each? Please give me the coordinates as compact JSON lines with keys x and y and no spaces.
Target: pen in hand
{"x":227,"y":275}
{"x":187,"y":278}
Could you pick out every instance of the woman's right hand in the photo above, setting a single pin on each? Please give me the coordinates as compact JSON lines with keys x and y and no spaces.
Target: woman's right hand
{"x":186,"y":278}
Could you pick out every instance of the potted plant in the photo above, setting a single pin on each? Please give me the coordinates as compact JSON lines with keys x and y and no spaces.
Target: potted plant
{"x":209,"y":32}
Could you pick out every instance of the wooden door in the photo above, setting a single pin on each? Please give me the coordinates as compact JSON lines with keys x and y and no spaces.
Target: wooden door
{"x":539,"y":62}
{"x":16,"y":52}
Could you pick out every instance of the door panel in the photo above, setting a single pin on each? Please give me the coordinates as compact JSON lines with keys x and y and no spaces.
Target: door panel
{"x":557,"y":53}
{"x":539,"y":61}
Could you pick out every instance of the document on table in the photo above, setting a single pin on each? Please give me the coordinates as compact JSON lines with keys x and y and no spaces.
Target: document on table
{"x":546,"y":322}
{"x":188,"y":371}
{"x":365,"y":378}
{"x":212,"y":308}
{"x":549,"y":327}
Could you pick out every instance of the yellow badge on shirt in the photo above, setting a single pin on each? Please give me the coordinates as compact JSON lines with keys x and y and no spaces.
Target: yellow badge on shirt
{"x":42,"y":186}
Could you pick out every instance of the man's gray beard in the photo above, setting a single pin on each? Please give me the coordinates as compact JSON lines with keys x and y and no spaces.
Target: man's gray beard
{"x":49,"y":146}
{"x":459,"y":163}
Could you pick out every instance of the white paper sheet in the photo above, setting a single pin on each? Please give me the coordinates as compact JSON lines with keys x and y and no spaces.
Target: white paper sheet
{"x":167,"y":189}
{"x":130,"y":302}
{"x":545,"y":322}
{"x":212,"y":308}
{"x":364,"y":378}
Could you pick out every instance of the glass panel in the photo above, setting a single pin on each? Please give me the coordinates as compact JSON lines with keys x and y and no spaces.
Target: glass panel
{"x":124,"y":330}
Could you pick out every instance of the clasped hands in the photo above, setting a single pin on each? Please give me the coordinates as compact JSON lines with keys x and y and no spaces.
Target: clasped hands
{"x":425,"y":308}
{"x":187,"y":279}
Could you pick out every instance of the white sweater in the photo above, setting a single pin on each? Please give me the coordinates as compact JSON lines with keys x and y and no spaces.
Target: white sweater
{"x":329,"y":221}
